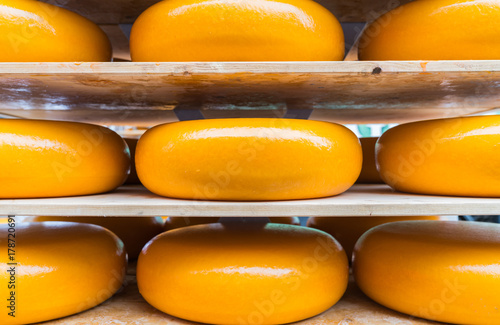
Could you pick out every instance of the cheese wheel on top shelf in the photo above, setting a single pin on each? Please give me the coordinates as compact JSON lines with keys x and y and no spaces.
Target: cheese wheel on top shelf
{"x":435,"y":30}
{"x":447,"y":271}
{"x":248,"y":159}
{"x":455,"y":156}
{"x":51,"y":158}
{"x":62,"y":268}
{"x":242,"y":273}
{"x":34,"y":31}
{"x":231,"y":30}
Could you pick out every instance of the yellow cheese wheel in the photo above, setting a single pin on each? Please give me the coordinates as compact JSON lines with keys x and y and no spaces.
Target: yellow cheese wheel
{"x":435,"y":30}
{"x":49,"y":158}
{"x":62,"y":268}
{"x":248,"y":159}
{"x":132,"y":178}
{"x":37,"y":31}
{"x":456,"y":156}
{"x":233,"y":30}
{"x":179,"y":222}
{"x":135,"y":232}
{"x":446,"y":271}
{"x":242,"y":274}
{"x":347,"y":230}
{"x":369,"y":173}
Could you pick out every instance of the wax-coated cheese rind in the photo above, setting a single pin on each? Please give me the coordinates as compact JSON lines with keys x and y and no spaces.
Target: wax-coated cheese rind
{"x":435,"y":30}
{"x":229,"y":30}
{"x":440,"y":270}
{"x":62,"y":268}
{"x":291,"y":272}
{"x":50,"y":158}
{"x":34,"y":31}
{"x":456,"y":156}
{"x":248,"y":159}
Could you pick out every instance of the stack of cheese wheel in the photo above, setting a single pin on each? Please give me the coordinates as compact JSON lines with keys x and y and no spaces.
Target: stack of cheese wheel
{"x":435,"y":30}
{"x":456,"y":156}
{"x":179,"y":222}
{"x":33,"y":31}
{"x":50,"y":159}
{"x":248,"y":159}
{"x":229,"y":30}
{"x":234,"y":273}
{"x":347,"y":230}
{"x":62,"y":268}
{"x":135,"y":232}
{"x":446,"y":271}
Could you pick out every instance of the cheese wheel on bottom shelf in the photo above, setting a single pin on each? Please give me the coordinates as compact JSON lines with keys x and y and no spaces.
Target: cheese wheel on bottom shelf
{"x":135,"y":232}
{"x":248,"y":159}
{"x":242,"y":273}
{"x":179,"y":222}
{"x":446,"y":271}
{"x":454,"y":156}
{"x":51,"y":158}
{"x":62,"y":268}
{"x":347,"y":230}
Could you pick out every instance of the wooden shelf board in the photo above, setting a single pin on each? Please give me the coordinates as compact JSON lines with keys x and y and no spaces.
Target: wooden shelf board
{"x":126,"y":11}
{"x":129,"y":93}
{"x":361,"y":200}
{"x":129,"y":308}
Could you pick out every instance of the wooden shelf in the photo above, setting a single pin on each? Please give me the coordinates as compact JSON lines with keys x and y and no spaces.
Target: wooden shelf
{"x":129,"y":308}
{"x":361,"y":200}
{"x":130,"y":93}
{"x":126,"y":11}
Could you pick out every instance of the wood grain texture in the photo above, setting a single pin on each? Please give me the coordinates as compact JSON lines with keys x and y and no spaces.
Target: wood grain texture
{"x":360,"y":200}
{"x":126,"y":11}
{"x":129,"y":308}
{"x":387,"y":90}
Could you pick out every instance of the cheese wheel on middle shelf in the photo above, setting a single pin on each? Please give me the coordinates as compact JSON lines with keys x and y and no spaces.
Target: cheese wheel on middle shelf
{"x":51,"y":158}
{"x":63,"y":268}
{"x":369,"y":173}
{"x":454,"y":156}
{"x":248,"y":159}
{"x":447,"y":271}
{"x":435,"y":30}
{"x":179,"y":222}
{"x":135,"y":232}
{"x":229,"y":30}
{"x":255,"y":273}
{"x":347,"y":230}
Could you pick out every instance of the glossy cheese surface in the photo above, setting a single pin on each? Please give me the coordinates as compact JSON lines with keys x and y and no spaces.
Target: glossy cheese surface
{"x":242,"y":274}
{"x":446,"y":271}
{"x":49,"y":159}
{"x":179,"y":222}
{"x":435,"y":30}
{"x":62,"y":268}
{"x":347,"y":230}
{"x":34,"y":31}
{"x":234,"y":30}
{"x":135,"y":232}
{"x":369,"y":173}
{"x":457,"y":156}
{"x":248,"y":159}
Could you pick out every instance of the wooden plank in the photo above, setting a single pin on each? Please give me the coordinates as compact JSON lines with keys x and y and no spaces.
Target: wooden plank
{"x":387,"y":90}
{"x":129,"y":308}
{"x":361,"y":200}
{"x":126,"y":11}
